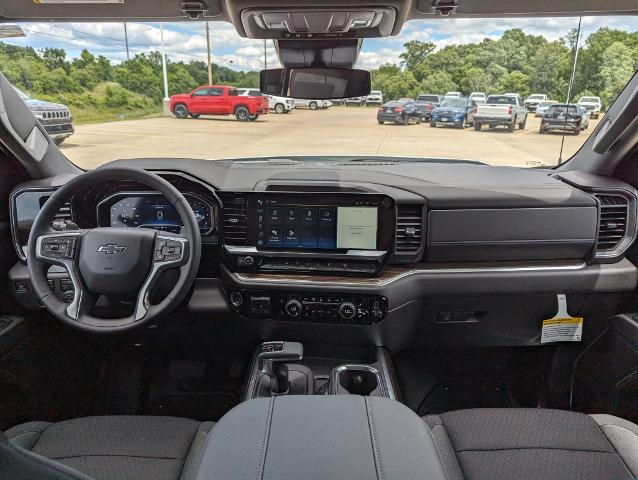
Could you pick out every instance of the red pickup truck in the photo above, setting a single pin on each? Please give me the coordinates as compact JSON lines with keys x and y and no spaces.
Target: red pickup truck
{"x":218,"y":100}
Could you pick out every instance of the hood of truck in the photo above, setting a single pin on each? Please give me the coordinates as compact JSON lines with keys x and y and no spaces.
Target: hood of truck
{"x":42,"y":105}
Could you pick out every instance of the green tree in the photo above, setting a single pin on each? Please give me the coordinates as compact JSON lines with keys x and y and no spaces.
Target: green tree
{"x":438,"y":83}
{"x":55,"y":58}
{"x":415,"y":53}
{"x":616,"y":69}
{"x":549,"y":69}
{"x":515,"y":82}
{"x":476,"y":80}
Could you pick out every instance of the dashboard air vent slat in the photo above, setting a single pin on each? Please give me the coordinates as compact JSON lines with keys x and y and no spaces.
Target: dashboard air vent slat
{"x":614,"y":209}
{"x":234,"y":220}
{"x":409,"y":232}
{"x":64,"y":213}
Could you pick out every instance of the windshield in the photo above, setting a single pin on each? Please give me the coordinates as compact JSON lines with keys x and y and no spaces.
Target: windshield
{"x":561,"y":109}
{"x":112,"y":80}
{"x":502,"y":100}
{"x":453,"y":102}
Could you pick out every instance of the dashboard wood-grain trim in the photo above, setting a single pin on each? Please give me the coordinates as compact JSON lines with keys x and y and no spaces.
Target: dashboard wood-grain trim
{"x":395,"y":272}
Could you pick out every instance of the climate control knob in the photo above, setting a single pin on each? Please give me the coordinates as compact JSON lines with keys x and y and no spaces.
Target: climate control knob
{"x":347,"y":311}
{"x":293,"y":308}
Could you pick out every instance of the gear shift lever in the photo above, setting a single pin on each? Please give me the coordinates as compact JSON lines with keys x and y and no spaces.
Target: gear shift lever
{"x":271,"y":362}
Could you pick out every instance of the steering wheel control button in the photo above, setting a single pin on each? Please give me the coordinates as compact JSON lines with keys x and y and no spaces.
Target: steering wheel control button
{"x":168,"y":250}
{"x":58,"y":247}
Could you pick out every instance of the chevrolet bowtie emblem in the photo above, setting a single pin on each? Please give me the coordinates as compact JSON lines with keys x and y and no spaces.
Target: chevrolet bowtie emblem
{"x":111,"y":249}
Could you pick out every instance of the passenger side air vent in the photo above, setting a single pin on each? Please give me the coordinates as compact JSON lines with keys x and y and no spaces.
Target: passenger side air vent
{"x":612,"y":227}
{"x":234,"y":220}
{"x":409,"y":233}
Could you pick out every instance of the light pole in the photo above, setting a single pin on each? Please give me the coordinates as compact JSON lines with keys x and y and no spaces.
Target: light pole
{"x":165,"y":100}
{"x":126,"y":40}
{"x":210,"y":66}
{"x":265,"y":57}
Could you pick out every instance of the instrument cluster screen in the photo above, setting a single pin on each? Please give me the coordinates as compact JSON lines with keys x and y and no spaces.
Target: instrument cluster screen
{"x":325,"y":227}
{"x":155,"y":211}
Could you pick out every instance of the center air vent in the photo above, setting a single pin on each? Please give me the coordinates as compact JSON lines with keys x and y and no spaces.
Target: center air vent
{"x":612,"y":227}
{"x":234,"y":220}
{"x":409,"y":233}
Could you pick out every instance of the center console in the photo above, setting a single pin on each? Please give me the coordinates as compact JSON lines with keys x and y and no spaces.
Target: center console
{"x":301,"y":232}
{"x":279,"y":368}
{"x":319,"y":438}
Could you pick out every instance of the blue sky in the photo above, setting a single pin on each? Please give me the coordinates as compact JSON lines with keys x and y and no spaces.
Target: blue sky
{"x":186,"y":41}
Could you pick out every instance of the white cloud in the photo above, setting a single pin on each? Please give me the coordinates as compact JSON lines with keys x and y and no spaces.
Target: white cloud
{"x":186,"y":41}
{"x":372,"y":59}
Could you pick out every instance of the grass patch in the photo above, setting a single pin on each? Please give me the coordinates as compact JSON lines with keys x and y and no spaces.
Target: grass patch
{"x":107,"y":102}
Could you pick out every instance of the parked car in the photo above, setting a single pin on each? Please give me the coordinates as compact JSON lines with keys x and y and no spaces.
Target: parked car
{"x":218,"y":100}
{"x":375,"y":98}
{"x":532,"y":101}
{"x":507,"y":110}
{"x":453,"y":95}
{"x":430,"y":97}
{"x":278,"y":104}
{"x":593,"y":105}
{"x":454,"y":111}
{"x":570,"y":118}
{"x":542,"y":107}
{"x":312,"y":104}
{"x":478,"y":97}
{"x":398,"y":112}
{"x":355,"y":101}
{"x":54,"y":117}
{"x":425,"y":108}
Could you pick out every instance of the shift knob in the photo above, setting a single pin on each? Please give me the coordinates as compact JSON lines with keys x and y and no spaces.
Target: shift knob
{"x":271,"y":362}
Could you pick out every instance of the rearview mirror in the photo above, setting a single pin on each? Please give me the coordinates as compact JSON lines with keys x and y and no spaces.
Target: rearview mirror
{"x":315,"y":83}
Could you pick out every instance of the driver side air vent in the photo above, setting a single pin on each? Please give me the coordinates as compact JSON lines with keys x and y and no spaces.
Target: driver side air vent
{"x":612,"y":226}
{"x":409,"y":233}
{"x":234,"y":220}
{"x":64,"y":213}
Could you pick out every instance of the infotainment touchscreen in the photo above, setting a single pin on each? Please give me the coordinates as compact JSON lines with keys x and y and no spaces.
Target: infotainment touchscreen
{"x":316,"y":226}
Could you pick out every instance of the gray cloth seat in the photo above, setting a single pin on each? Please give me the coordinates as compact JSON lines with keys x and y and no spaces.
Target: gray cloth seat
{"x":118,"y":447}
{"x":526,"y":444}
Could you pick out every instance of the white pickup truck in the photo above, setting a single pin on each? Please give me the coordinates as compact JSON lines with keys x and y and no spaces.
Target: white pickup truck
{"x":507,"y":110}
{"x":533,"y":100}
{"x":593,"y":105}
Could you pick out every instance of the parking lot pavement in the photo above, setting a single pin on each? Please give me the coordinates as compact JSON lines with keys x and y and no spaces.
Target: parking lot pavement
{"x":336,"y":131}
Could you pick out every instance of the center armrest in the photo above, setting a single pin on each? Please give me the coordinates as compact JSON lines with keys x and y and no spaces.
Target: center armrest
{"x":320,"y":437}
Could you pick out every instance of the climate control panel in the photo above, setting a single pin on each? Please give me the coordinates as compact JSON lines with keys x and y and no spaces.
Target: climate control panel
{"x":311,"y":307}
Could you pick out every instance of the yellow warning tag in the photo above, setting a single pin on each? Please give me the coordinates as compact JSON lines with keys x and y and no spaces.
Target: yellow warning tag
{"x":562,"y":330}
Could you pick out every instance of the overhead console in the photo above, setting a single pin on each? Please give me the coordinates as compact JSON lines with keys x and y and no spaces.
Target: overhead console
{"x":317,"y":23}
{"x":346,"y":233}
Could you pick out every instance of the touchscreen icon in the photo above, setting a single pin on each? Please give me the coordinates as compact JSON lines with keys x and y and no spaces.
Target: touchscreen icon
{"x":309,"y":216}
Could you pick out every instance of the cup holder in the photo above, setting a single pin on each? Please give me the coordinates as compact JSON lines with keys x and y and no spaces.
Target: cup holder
{"x":359,"y":382}
{"x":356,"y":380}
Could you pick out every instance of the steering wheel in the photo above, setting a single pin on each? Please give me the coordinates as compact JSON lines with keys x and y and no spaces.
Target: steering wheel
{"x":111,"y":260}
